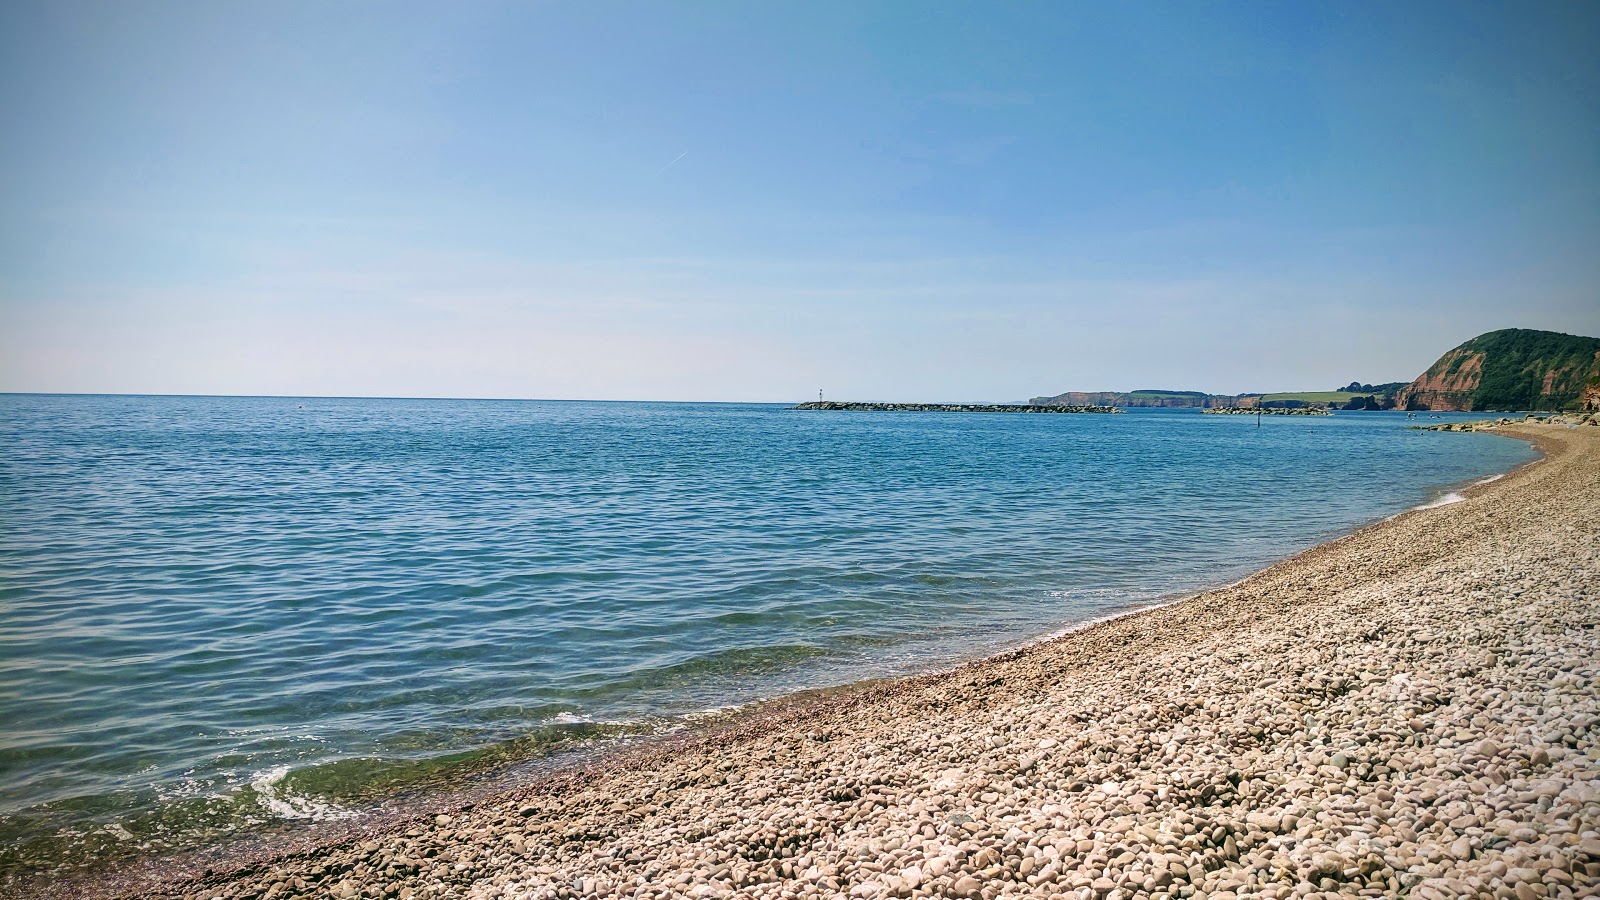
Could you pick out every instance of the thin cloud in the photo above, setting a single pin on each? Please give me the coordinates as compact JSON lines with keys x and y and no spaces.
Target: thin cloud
{"x":673,"y":163}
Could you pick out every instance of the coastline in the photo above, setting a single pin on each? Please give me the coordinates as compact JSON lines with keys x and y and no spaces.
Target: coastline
{"x":816,"y":727}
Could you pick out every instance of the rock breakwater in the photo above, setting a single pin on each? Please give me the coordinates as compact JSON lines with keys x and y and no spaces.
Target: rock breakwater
{"x":951,"y":407}
{"x":1410,"y":710}
{"x":1270,"y":410}
{"x":1569,"y":419}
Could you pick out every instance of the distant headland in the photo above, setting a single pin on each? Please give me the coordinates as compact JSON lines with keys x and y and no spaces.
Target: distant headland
{"x":1510,"y":369}
{"x":836,"y":405}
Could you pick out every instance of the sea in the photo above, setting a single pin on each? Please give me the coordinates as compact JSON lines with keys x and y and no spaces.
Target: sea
{"x":220,"y":614}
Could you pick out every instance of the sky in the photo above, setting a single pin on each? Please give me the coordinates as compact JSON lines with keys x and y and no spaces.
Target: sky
{"x":753,"y":202}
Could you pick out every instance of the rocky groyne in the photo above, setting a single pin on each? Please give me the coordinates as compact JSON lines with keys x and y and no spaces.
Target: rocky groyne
{"x":951,"y":407}
{"x":1270,"y":411}
{"x":1412,"y":710}
{"x":1568,"y":419}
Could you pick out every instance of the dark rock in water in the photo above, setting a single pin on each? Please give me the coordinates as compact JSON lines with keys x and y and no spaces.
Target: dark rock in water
{"x":835,"y":405}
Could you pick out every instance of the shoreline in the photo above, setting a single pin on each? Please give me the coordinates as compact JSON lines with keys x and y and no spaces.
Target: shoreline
{"x":778,"y":719}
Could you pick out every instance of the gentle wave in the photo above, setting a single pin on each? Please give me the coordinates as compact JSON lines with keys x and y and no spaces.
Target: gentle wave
{"x":266,"y":786}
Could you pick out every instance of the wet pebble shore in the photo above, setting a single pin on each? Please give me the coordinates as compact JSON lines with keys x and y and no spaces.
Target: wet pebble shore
{"x":1408,"y":711}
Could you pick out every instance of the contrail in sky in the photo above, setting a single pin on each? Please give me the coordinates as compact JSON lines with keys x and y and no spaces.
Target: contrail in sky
{"x":674,"y":162}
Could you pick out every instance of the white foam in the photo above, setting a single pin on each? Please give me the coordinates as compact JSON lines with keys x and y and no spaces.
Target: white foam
{"x":1090,"y":594}
{"x":712,"y":712}
{"x":1491,"y":479}
{"x":1446,"y":500}
{"x":291,"y":806}
{"x":1133,"y":610}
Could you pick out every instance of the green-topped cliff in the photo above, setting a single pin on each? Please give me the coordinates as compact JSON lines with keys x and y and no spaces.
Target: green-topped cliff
{"x":1510,"y":369}
{"x":1138,"y":398}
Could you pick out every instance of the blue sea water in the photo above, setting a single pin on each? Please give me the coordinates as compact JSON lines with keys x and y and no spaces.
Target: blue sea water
{"x":223,"y":611}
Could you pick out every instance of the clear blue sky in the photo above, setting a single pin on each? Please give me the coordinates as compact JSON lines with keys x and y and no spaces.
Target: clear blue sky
{"x":753,"y":201}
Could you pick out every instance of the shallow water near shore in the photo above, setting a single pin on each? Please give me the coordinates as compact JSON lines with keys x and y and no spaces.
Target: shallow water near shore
{"x":222,"y":612}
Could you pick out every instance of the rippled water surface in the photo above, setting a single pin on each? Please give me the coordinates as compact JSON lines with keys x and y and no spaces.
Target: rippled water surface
{"x":225,"y":610}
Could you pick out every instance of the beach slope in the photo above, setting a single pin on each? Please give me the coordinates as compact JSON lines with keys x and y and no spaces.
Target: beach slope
{"x":1408,"y":710}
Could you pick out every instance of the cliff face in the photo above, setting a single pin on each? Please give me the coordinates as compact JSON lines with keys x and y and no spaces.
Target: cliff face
{"x":1590,"y":400}
{"x":1448,"y":384}
{"x":1515,"y":368}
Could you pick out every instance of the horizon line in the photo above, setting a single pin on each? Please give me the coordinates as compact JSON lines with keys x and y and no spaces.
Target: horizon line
{"x":375,"y":397}
{"x":1023,"y":402}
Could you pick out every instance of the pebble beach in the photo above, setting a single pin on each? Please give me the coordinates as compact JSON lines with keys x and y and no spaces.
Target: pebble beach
{"x":1411,"y":710}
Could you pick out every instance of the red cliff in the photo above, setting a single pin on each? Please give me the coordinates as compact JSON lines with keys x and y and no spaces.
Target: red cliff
{"x":1447,"y":385}
{"x":1511,"y":369}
